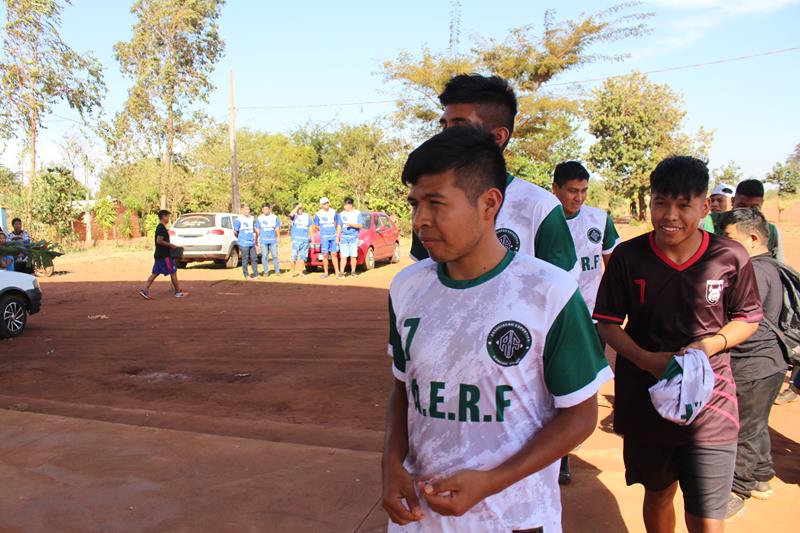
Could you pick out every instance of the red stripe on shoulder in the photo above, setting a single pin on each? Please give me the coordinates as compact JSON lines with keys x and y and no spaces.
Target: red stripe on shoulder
{"x":607,"y":318}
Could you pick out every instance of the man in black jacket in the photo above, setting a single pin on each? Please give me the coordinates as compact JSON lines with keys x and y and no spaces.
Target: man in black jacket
{"x":758,"y":364}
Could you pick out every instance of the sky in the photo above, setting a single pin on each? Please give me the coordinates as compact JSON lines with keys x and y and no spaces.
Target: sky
{"x":325,"y":54}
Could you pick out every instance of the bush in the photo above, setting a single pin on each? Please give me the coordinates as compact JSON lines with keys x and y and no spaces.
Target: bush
{"x":149,"y":224}
{"x":126,"y":228}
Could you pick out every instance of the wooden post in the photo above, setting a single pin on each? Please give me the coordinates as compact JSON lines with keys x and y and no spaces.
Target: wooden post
{"x":87,"y":214}
{"x":235,"y":202}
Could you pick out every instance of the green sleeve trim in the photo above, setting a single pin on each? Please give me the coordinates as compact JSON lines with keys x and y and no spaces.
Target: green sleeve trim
{"x":553,"y":241}
{"x":775,"y":243}
{"x":610,"y":235}
{"x":573,"y":357}
{"x":708,"y":223}
{"x":395,"y":342}
{"x":418,"y":252}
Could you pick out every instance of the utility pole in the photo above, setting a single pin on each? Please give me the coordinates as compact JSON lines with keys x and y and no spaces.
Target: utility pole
{"x":235,"y":204}
{"x":87,"y":214}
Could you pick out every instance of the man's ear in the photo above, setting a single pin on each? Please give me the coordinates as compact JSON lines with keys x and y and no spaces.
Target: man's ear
{"x":501,"y":136}
{"x":706,"y":206}
{"x":490,"y":203}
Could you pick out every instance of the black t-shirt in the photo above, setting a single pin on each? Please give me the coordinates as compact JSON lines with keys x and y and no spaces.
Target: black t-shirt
{"x":669,"y":306}
{"x":761,"y":356}
{"x":161,"y":252}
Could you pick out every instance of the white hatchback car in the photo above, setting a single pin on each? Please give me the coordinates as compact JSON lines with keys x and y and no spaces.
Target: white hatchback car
{"x":206,"y":237}
{"x":20,"y":296}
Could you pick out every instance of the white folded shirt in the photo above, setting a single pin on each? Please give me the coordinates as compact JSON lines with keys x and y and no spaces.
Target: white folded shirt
{"x":685,"y":388}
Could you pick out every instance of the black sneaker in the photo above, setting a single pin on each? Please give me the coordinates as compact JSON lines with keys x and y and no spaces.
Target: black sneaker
{"x":763,"y":491}
{"x":564,"y":475}
{"x":735,"y":507}
{"x":787,"y":396}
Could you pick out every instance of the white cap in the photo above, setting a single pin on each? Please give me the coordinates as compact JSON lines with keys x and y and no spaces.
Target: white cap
{"x":724,"y":190}
{"x":324,"y":200}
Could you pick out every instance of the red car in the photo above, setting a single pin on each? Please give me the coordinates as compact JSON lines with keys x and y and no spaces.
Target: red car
{"x":378,"y":240}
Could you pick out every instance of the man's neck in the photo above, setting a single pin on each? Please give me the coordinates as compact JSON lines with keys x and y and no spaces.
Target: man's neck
{"x":483,"y":257}
{"x":682,"y":252}
{"x":761,"y":250}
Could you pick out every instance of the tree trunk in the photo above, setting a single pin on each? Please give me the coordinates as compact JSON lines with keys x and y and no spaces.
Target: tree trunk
{"x":642,"y":205}
{"x":166,"y":177}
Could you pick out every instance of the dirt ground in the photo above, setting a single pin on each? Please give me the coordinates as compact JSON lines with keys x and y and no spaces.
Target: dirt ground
{"x":248,"y":406}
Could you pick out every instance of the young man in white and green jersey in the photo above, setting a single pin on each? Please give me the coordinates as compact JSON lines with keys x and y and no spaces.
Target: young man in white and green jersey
{"x":495,"y":358}
{"x":595,"y":237}
{"x":531,"y":220}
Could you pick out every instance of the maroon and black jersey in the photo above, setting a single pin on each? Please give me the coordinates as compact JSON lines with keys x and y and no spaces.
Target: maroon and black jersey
{"x":669,"y":306}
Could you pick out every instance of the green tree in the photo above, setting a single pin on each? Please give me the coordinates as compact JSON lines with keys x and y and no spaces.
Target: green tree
{"x":170,"y":57}
{"x":135,"y":184}
{"x":730,"y":174}
{"x":786,"y":177}
{"x":55,"y":192}
{"x":529,"y":60}
{"x":39,"y":69}
{"x":636,"y":123}
{"x":105,"y":213}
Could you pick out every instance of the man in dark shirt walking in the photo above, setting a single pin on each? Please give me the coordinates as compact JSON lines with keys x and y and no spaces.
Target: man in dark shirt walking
{"x":163,"y":264}
{"x":758,"y":364}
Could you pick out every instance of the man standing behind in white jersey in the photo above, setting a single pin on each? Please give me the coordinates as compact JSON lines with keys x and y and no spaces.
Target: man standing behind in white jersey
{"x":531,"y":220}
{"x":495,"y":359}
{"x":595,"y":237}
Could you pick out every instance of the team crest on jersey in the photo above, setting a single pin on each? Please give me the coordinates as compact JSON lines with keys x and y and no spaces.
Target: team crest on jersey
{"x":713,"y":290}
{"x":594,"y":235}
{"x":508,"y":238}
{"x":508,"y":343}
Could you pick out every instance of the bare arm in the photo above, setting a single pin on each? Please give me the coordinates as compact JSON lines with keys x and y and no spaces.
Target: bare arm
{"x":397,"y":482}
{"x":459,"y":493}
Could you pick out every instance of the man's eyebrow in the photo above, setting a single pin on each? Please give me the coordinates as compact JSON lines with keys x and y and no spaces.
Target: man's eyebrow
{"x":427,"y":195}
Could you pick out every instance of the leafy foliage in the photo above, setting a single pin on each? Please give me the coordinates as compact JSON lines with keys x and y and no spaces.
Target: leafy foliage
{"x":170,"y":57}
{"x":39,"y":69}
{"x":786,"y":176}
{"x":105,"y":213}
{"x":55,"y":192}
{"x":636,"y":123}
{"x":730,"y":174}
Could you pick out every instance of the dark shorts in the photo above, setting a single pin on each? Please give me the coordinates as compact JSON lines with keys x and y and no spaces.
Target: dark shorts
{"x":165,"y":266}
{"x":705,"y":473}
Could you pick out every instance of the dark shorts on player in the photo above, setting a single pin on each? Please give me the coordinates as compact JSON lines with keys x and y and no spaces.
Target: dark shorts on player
{"x":165,"y":266}
{"x":705,"y":473}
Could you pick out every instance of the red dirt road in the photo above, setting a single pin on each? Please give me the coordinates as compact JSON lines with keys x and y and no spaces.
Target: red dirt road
{"x":248,"y":406}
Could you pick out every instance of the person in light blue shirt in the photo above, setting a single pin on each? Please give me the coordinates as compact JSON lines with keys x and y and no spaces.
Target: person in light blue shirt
{"x":267,"y":225}
{"x":245,"y":231}
{"x":352,"y":222}
{"x":301,"y":221}
{"x":330,"y":230}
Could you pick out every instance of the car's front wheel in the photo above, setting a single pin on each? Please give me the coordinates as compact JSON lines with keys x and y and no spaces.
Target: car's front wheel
{"x":13,"y":316}
{"x":369,"y":259}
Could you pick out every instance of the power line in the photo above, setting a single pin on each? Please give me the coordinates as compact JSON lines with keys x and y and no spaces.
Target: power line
{"x":548,"y":85}
{"x":681,"y":67}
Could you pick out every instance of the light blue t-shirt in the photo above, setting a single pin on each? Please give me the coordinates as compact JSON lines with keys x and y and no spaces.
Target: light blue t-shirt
{"x":247,"y":233}
{"x":267,"y":225}
{"x":350,"y":234}
{"x":10,"y":266}
{"x":300,"y":224}
{"x":327,"y":222}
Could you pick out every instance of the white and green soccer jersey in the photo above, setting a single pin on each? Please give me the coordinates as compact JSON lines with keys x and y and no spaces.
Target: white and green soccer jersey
{"x":531,"y":222}
{"x":486,"y":364}
{"x":594,"y":235}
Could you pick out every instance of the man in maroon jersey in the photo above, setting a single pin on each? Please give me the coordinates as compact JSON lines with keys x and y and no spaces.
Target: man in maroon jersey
{"x":679,"y":287}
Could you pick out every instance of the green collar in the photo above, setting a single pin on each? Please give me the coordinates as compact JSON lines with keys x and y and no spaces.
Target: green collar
{"x":483,"y":278}
{"x":509,"y":179}
{"x":573,"y":216}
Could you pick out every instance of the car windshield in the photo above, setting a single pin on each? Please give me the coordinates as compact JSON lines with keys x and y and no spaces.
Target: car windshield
{"x":367,"y":221}
{"x":194,"y":221}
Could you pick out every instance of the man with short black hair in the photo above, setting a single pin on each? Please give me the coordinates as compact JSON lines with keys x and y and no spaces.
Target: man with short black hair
{"x":495,"y":359}
{"x":750,"y":193}
{"x":163,"y":264}
{"x":531,"y":220}
{"x":594,"y":235}
{"x":20,"y":236}
{"x":758,"y":364}
{"x":676,"y":288}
